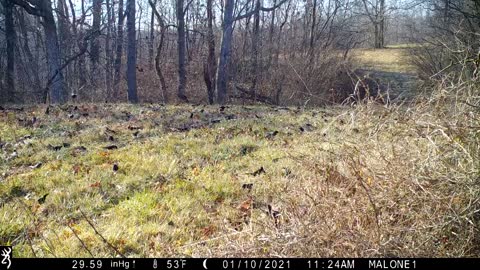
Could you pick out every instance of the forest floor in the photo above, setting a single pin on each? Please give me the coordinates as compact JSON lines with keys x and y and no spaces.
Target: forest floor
{"x":250,"y":181}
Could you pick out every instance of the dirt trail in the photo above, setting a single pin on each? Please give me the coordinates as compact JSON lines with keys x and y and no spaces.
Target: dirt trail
{"x":391,"y":67}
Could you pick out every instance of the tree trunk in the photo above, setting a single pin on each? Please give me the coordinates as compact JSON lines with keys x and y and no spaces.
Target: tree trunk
{"x":81,"y":43}
{"x":227,"y":33}
{"x":381,"y":41}
{"x":33,"y":66}
{"x":131,"y":53}
{"x":255,"y":48}
{"x":95,"y":43}
{"x":211,"y":65}
{"x":58,"y":94}
{"x":109,"y":51}
{"x":119,"y":50}
{"x":271,"y":33}
{"x":181,"y":49}
{"x":377,"y":36}
{"x":151,"y":38}
{"x":139,"y":33}
{"x":158,"y":69}
{"x":312,"y":30}
{"x":10,"y":37}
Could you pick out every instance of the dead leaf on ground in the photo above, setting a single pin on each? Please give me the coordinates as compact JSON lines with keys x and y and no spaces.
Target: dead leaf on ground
{"x":246,"y":205}
{"x":259,"y":171}
{"x":248,"y":186}
{"x":134,"y":127}
{"x":208,"y":230}
{"x":96,"y":184}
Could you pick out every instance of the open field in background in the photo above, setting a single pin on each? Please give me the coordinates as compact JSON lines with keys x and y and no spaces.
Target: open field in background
{"x":391,"y":59}
{"x":239,"y":181}
{"x":390,"y":67}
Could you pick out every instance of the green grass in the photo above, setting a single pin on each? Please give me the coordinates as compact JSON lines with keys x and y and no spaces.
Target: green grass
{"x":180,"y":182}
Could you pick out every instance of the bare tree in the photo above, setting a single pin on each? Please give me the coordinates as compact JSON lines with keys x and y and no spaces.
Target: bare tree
{"x":109,"y":49}
{"x":376,"y":11}
{"x":225,"y":48}
{"x":158,"y":69}
{"x":43,"y":9}
{"x":119,"y":50}
{"x":152,"y":35}
{"x":131,"y":53}
{"x":95,"y":43}
{"x":181,"y":49}
{"x":211,"y":65}
{"x":226,"y":45}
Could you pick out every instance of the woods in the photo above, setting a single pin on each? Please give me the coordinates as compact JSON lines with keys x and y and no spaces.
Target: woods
{"x":205,"y":50}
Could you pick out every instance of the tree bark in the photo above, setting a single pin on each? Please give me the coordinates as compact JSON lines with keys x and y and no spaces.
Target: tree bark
{"x":312,"y":30}
{"x":119,"y":50}
{"x":158,"y":69}
{"x":10,"y":37}
{"x":33,"y":63}
{"x":131,"y":53}
{"x":381,"y":40}
{"x":151,"y":38}
{"x":211,"y":65}
{"x":181,"y":49}
{"x":225,"y":48}
{"x":139,"y":33}
{"x":95,"y":43}
{"x":81,"y":44}
{"x":255,"y":48}
{"x":64,"y":36}
{"x":58,"y":93}
{"x":109,"y":50}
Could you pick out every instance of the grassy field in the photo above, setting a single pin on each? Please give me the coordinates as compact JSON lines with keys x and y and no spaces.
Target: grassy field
{"x":151,"y":180}
{"x":390,"y":59}
{"x":247,"y":181}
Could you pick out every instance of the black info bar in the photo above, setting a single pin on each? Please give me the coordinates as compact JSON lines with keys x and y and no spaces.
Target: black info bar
{"x":238,"y":263}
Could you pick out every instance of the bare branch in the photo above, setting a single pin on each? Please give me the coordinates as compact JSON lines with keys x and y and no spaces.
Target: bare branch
{"x":30,"y":6}
{"x":264,"y":9}
{"x":101,"y":236}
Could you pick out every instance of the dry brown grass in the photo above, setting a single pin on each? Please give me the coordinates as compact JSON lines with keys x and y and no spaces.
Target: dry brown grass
{"x":363,"y":181}
{"x":395,"y":183}
{"x":394,"y":59}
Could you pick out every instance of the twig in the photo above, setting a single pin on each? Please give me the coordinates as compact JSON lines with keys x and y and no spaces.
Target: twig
{"x":374,"y":206}
{"x":101,"y":236}
{"x":30,"y":244}
{"x":83,"y":243}
{"x":34,"y":222}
